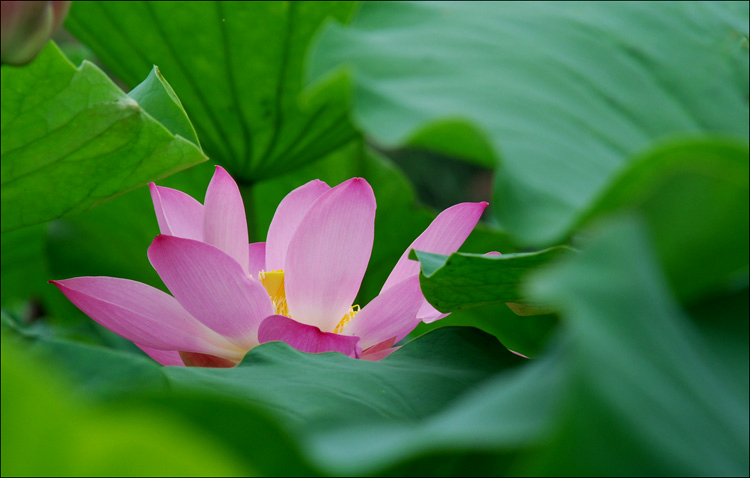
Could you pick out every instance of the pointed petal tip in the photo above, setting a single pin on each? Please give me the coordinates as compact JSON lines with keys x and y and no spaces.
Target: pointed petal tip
{"x":155,"y":196}
{"x":160,"y":238}
{"x":224,"y":218}
{"x":358,"y":181}
{"x":444,"y":235}
{"x":464,"y":208}
{"x":481,"y":204}
{"x":58,"y":283}
{"x":220,"y":170}
{"x":155,"y":188}
{"x":159,"y":241}
{"x":360,"y":185}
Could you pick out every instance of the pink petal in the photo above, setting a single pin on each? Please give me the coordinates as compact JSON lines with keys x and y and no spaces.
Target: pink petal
{"x":164,"y":357}
{"x":379,"y":354}
{"x":178,"y":213}
{"x":143,"y":314}
{"x":224,"y":221}
{"x":212,"y":286}
{"x":391,"y":315}
{"x":445,"y":235}
{"x":328,"y":254}
{"x":306,"y":338}
{"x":386,"y":344}
{"x":287,"y":218}
{"x":257,"y":254}
{"x":428,"y":314}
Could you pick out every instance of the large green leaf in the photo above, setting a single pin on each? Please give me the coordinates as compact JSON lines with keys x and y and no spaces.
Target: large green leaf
{"x":462,"y":281}
{"x":411,"y":384}
{"x":280,"y":394}
{"x":48,"y":431}
{"x":236,"y":66}
{"x":480,"y":430}
{"x":486,"y":284}
{"x":647,"y":396}
{"x":72,"y":139}
{"x":694,"y":195}
{"x":559,"y":95}
{"x":527,"y":335}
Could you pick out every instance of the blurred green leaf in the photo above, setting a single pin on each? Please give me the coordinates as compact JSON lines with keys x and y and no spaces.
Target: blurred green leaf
{"x":252,"y":433}
{"x":47,"y":430}
{"x":462,"y":281}
{"x":558,"y":97}
{"x":412,"y":383}
{"x":24,"y":270}
{"x":717,"y":320}
{"x":647,"y":395}
{"x":482,"y":431}
{"x":528,"y":336}
{"x":485,"y":284}
{"x":302,"y":395}
{"x":236,"y":66}
{"x":693,"y":193}
{"x":72,"y":139}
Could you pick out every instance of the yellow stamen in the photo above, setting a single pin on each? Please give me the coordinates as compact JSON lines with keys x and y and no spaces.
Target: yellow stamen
{"x":353,"y":310}
{"x":273,"y":282}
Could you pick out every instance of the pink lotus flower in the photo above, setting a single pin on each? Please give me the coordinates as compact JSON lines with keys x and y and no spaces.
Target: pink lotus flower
{"x":297,"y":287}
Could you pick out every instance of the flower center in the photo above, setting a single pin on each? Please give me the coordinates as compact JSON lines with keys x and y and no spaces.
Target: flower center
{"x":273,"y":282}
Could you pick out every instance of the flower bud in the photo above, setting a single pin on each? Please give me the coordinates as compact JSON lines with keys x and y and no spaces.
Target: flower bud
{"x":26,"y":28}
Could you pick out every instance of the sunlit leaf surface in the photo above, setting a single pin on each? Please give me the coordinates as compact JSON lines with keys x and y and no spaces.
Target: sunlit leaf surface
{"x":557,"y":95}
{"x":461,"y":281}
